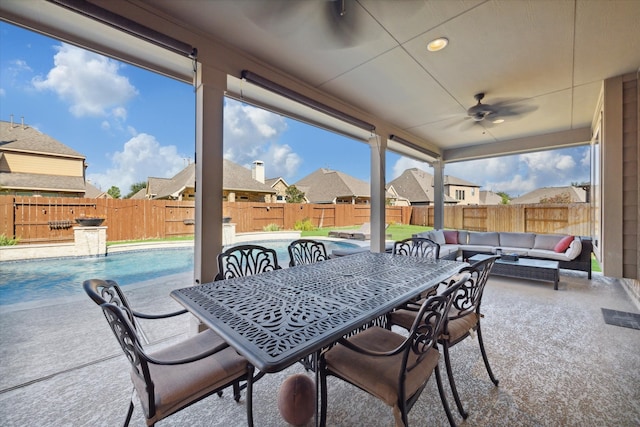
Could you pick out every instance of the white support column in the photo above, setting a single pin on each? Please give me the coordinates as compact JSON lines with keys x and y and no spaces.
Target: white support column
{"x":438,"y":195}
{"x":378,"y":146}
{"x":211,"y":85}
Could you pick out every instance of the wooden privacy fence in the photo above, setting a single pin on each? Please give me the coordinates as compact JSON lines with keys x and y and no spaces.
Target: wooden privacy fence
{"x":51,"y":220}
{"x":571,"y":218}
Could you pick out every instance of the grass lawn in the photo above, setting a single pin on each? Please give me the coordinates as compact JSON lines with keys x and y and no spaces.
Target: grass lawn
{"x":397,"y":231}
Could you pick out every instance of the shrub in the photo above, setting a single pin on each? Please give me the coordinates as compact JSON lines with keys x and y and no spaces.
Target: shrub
{"x":8,"y":241}
{"x":271,"y":227}
{"x":304,"y":225}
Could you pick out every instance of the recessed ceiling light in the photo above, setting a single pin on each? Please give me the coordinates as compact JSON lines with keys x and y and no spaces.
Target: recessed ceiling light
{"x":496,"y":121}
{"x":437,"y":44}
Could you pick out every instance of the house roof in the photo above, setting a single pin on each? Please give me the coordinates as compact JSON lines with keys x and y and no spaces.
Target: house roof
{"x":26,"y":139}
{"x":93,"y":192}
{"x":140,"y":194}
{"x":453,"y":180}
{"x":489,"y":198}
{"x":235,"y":178}
{"x":41,"y":182}
{"x":325,"y":185}
{"x":574,"y":195}
{"x":273,"y":181}
{"x":416,"y":186}
{"x":239,"y":178}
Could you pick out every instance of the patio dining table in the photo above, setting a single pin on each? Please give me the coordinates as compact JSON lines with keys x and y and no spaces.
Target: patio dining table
{"x":277,"y":318}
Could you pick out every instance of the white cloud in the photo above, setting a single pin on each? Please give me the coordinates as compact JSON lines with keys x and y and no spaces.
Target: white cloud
{"x":89,"y":82}
{"x":252,"y":133}
{"x":3,"y":92}
{"x":548,"y":161}
{"x":404,"y":163}
{"x":142,"y":157}
{"x":518,"y":174}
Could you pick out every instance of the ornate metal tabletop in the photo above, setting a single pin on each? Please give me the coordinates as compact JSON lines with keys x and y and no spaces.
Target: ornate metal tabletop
{"x":277,"y":318}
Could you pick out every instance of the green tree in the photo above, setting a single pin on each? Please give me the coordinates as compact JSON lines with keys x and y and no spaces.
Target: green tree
{"x":114,"y":192}
{"x":294,"y":195}
{"x":135,"y":188}
{"x":505,"y":197}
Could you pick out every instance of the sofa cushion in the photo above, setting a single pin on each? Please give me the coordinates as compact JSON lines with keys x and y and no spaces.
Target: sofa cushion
{"x":563,"y":244}
{"x":517,"y":240}
{"x":463,"y":237}
{"x":484,"y":239}
{"x":424,"y":234}
{"x":451,"y":237}
{"x":438,"y":237}
{"x":445,"y":250}
{"x":547,"y":254}
{"x":478,"y":249}
{"x":547,"y":241}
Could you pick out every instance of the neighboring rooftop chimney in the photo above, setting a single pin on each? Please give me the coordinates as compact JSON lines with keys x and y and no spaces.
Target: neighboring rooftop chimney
{"x":257,"y":171}
{"x":22,"y":120}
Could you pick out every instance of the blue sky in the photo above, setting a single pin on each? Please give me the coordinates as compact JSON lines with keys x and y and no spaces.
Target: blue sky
{"x":131,"y":124}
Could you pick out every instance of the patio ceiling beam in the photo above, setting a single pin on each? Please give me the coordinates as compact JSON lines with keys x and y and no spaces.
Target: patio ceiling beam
{"x":528,"y":144}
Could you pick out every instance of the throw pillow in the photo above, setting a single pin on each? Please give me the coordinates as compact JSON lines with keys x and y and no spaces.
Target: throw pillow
{"x":438,"y":237}
{"x":563,"y":244}
{"x":575,"y":248}
{"x":451,"y":237}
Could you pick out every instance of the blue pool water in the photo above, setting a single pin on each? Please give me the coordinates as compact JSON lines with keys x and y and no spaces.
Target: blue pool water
{"x":26,"y":281}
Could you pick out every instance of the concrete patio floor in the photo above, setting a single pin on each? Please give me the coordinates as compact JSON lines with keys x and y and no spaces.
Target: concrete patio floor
{"x":558,"y":363}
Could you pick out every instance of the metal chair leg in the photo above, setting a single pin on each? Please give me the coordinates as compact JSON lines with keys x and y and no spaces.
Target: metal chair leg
{"x":452,"y":383}
{"x":249,"y":402}
{"x":443,"y":398}
{"x":236,"y":391}
{"x":484,"y":356}
{"x":130,"y":411}
{"x":323,"y":394}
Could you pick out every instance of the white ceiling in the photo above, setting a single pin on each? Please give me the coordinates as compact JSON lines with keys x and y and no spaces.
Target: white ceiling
{"x":547,"y":56}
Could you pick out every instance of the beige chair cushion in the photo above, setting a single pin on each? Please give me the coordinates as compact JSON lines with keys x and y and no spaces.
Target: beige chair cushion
{"x":177,"y":385}
{"x":403,"y":317}
{"x":379,"y":375}
{"x":459,"y":327}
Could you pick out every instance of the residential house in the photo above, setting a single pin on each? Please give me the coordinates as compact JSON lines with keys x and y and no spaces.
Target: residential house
{"x":416,"y":186}
{"x":240,"y":185}
{"x":93,"y":192}
{"x":330,"y":186}
{"x":465,"y":192}
{"x":35,"y":164}
{"x":568,"y":194}
{"x":490,"y":198}
{"x":280,"y":186}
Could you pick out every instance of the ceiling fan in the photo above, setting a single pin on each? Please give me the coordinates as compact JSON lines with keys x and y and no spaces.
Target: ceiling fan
{"x":328,"y":24}
{"x":496,"y":112}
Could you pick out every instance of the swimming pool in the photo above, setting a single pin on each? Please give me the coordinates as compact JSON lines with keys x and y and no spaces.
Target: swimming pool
{"x":27,"y":281}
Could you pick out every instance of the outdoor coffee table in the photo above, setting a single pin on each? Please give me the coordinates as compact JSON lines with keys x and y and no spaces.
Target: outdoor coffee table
{"x":524,"y":268}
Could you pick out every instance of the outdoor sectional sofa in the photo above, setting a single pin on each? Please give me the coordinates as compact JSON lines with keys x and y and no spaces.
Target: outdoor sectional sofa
{"x":572,"y":252}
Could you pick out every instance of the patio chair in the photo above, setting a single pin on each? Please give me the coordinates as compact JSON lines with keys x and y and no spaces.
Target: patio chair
{"x":464,"y":318}
{"x":306,"y":251}
{"x":417,"y":246}
{"x":246,"y":260}
{"x":390,"y":366}
{"x":175,"y":377}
